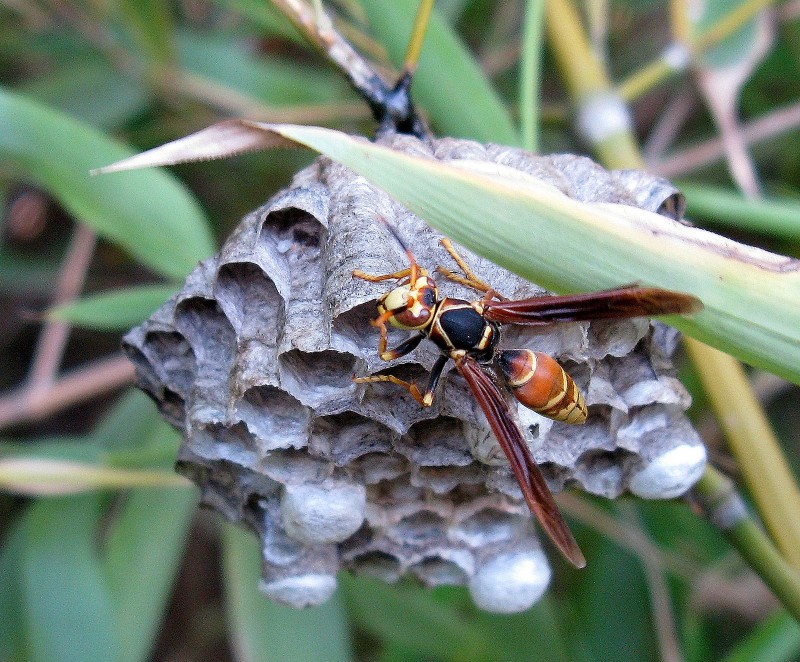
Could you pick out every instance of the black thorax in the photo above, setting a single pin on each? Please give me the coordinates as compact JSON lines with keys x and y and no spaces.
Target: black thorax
{"x":457,"y":325}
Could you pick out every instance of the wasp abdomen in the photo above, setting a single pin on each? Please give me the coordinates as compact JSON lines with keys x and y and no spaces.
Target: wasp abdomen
{"x":539,"y":383}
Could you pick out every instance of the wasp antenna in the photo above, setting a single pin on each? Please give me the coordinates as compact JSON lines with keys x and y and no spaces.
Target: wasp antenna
{"x":414,"y":265}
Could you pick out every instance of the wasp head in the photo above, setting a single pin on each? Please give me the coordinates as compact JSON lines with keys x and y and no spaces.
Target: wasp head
{"x":410,"y":306}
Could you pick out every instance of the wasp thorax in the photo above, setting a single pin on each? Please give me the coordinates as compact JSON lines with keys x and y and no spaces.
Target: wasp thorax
{"x":412,"y":306}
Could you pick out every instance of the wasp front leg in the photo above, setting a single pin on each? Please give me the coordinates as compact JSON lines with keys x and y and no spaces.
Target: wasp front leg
{"x":405,"y":347}
{"x":424,"y":399}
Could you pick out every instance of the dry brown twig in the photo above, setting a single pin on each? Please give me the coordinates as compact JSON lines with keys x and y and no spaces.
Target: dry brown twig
{"x":768,"y":126}
{"x":661,"y":604}
{"x":78,"y":385}
{"x":43,"y":393}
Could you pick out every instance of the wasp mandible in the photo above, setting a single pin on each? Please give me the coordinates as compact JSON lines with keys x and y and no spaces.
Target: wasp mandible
{"x":468,"y":332}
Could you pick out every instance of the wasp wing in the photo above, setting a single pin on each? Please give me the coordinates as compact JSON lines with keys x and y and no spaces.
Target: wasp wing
{"x":530,"y":479}
{"x":607,"y":304}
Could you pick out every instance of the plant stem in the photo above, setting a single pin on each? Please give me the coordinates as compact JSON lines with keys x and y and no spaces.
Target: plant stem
{"x":414,"y":47}
{"x":603,"y":120}
{"x":730,"y":23}
{"x":645,"y":79}
{"x":717,"y":496}
{"x":530,"y":73}
{"x":753,"y":443}
{"x":661,"y":69}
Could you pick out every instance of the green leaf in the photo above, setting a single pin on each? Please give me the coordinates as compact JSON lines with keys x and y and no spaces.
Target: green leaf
{"x":114,"y":310}
{"x":87,"y":88}
{"x":750,"y":296}
{"x":736,"y":47}
{"x":150,"y":214}
{"x":66,"y":602}
{"x":76,"y":449}
{"x":776,"y":639}
{"x":226,"y":59}
{"x":262,"y":630}
{"x":517,"y":636}
{"x":410,"y":617}
{"x":449,"y":85}
{"x":614,"y":618}
{"x":140,"y":561}
{"x":531,"y":228}
{"x":726,"y":208}
{"x":265,"y":16}
{"x":13,"y":646}
{"x":151,"y":25}
{"x":133,"y":422}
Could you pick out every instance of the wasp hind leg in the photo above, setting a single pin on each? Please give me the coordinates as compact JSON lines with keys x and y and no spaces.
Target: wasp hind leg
{"x":469,"y":279}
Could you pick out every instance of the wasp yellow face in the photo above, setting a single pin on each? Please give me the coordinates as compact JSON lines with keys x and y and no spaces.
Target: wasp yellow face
{"x":412,"y":308}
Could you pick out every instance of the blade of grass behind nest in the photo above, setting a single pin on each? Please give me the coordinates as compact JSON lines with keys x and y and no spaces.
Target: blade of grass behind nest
{"x":530,"y":73}
{"x":12,"y":612}
{"x":115,"y":309}
{"x":776,"y":639}
{"x":143,"y":550}
{"x":413,"y":619}
{"x":774,"y":216}
{"x":623,"y":602}
{"x":749,"y":295}
{"x":448,"y":85}
{"x":146,"y":538}
{"x":750,"y":304}
{"x":263,"y":630}
{"x":150,"y":215}
{"x":66,"y":603}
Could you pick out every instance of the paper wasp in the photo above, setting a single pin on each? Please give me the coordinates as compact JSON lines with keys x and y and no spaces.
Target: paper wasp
{"x":468,"y":332}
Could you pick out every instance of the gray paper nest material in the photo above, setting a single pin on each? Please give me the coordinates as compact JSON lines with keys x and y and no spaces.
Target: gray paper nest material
{"x":253,"y":360}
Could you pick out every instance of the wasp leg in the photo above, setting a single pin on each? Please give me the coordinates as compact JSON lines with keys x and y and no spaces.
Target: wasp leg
{"x":411,"y":388}
{"x":436,"y":373}
{"x":405,"y":347}
{"x":426,"y":399}
{"x":471,"y":280}
{"x":397,"y":275}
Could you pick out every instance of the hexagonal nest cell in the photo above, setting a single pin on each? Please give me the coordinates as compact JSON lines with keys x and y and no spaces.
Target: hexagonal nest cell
{"x":253,"y":360}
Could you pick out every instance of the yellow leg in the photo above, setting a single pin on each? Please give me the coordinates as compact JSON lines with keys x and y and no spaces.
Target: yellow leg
{"x":471,"y":279}
{"x":383,"y":343}
{"x":425,"y":401}
{"x":397,"y":275}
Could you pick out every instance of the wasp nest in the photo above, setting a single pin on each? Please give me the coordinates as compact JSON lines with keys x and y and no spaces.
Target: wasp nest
{"x":253,"y":360}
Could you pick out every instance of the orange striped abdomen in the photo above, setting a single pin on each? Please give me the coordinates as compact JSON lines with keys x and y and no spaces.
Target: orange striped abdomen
{"x":539,"y":383}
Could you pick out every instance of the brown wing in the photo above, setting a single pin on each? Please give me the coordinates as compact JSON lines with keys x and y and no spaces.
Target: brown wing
{"x":530,"y":479}
{"x":606,"y":304}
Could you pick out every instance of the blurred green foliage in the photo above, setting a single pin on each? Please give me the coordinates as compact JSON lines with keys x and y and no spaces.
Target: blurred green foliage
{"x":90,"y":576}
